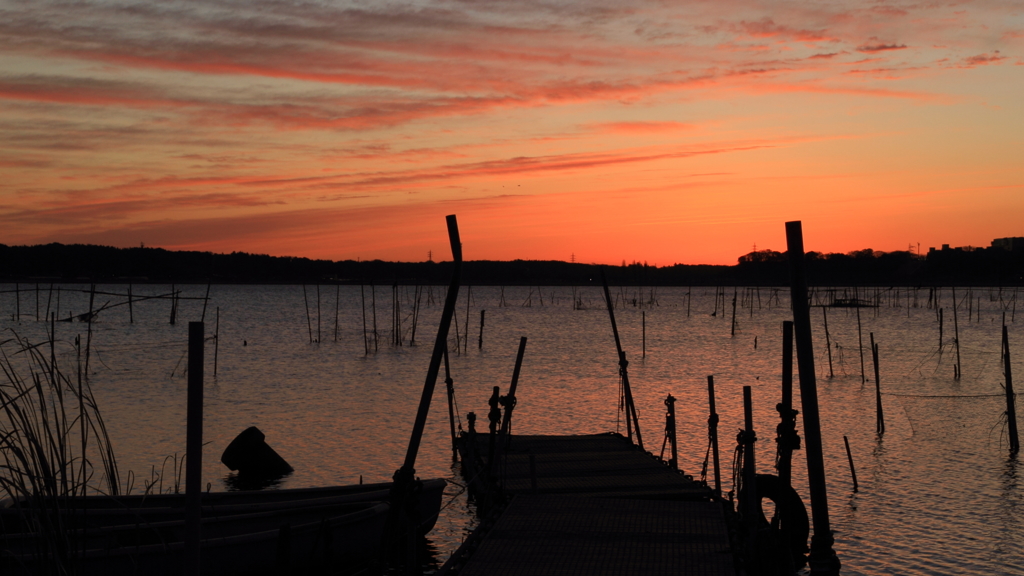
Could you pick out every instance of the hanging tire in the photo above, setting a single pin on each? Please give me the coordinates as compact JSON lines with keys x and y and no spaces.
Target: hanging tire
{"x":790,"y":514}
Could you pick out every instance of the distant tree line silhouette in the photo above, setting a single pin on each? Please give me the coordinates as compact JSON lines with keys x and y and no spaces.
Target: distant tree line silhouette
{"x":90,"y":263}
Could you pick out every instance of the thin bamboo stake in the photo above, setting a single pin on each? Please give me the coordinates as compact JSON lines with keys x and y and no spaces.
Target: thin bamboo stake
{"x":860,"y":345}
{"x":732,"y":331}
{"x":1011,"y":408}
{"x":216,"y":341}
{"x":828,"y":341}
{"x":480,"y":341}
{"x":956,"y":337}
{"x":879,"y":418}
{"x":849,"y":457}
{"x":309,"y":325}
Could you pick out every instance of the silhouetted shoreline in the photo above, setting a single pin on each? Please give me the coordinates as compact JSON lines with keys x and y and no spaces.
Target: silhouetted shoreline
{"x":77,"y":263}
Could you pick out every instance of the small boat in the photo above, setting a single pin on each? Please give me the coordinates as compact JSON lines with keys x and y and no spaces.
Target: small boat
{"x":100,"y":511}
{"x":241,"y":531}
{"x":342,"y":534}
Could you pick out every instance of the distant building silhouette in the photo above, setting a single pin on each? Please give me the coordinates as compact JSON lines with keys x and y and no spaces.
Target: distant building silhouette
{"x":1011,"y":244}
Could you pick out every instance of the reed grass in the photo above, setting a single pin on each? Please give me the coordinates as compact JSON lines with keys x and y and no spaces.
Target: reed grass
{"x":54,"y":447}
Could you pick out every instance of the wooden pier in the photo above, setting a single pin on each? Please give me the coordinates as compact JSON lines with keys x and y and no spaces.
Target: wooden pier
{"x":595,"y":505}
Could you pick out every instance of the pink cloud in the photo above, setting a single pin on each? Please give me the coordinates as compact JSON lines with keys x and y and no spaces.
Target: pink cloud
{"x":872,"y":48}
{"x":982,"y":60}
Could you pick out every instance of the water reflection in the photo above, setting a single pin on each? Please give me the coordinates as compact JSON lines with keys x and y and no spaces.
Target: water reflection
{"x":240,"y":482}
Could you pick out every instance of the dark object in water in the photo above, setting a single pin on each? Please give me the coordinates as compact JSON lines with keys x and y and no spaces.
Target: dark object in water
{"x":251,"y":456}
{"x":851,"y":303}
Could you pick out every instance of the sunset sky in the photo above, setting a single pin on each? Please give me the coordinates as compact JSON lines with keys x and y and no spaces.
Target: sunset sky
{"x":659,"y":131}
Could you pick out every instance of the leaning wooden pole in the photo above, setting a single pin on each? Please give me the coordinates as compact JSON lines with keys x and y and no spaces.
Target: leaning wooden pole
{"x":506,"y":425}
{"x":623,"y":370}
{"x":822,"y":560}
{"x":1011,"y":407}
{"x":194,"y":450}
{"x":440,"y":343}
{"x":401,"y":520}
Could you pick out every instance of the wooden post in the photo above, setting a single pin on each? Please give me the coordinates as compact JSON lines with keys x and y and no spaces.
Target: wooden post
{"x":337,"y":308}
{"x":956,"y":337}
{"x":194,"y":450}
{"x":37,"y":301}
{"x":822,"y":560}
{"x":17,"y":301}
{"x":623,"y":371}
{"x":860,"y":345}
{"x":828,"y":341}
{"x":373,"y":303}
{"x":849,"y":457}
{"x":643,"y":337}
{"x":216,"y":341}
{"x":670,"y":433}
{"x":309,"y":325}
{"x":450,"y":388}
{"x":415,"y":315}
{"x":1011,"y":408}
{"x":787,"y":440}
{"x":480,"y":342}
{"x":206,"y":300}
{"x":713,"y":434}
{"x":879,"y":419}
{"x":469,"y":298}
{"x":318,"y":334}
{"x":174,"y":305}
{"x":940,"y":330}
{"x":131,"y":313}
{"x":366,"y":345}
{"x":689,"y":295}
{"x":732,"y":332}
{"x":749,"y":507}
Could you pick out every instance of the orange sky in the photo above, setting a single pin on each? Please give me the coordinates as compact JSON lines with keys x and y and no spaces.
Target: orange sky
{"x":666,"y":132}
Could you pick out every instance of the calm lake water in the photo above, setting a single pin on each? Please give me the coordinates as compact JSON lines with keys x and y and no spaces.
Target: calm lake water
{"x":938,"y":493}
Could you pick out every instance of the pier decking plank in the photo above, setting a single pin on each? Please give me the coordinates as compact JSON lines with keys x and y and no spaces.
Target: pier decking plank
{"x":557,"y":535}
{"x":600,"y":506}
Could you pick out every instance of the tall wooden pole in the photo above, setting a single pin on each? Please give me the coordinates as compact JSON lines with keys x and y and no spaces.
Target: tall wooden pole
{"x":713,"y":433}
{"x":822,"y":560}
{"x":194,"y":450}
{"x":450,"y":388}
{"x":787,"y":437}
